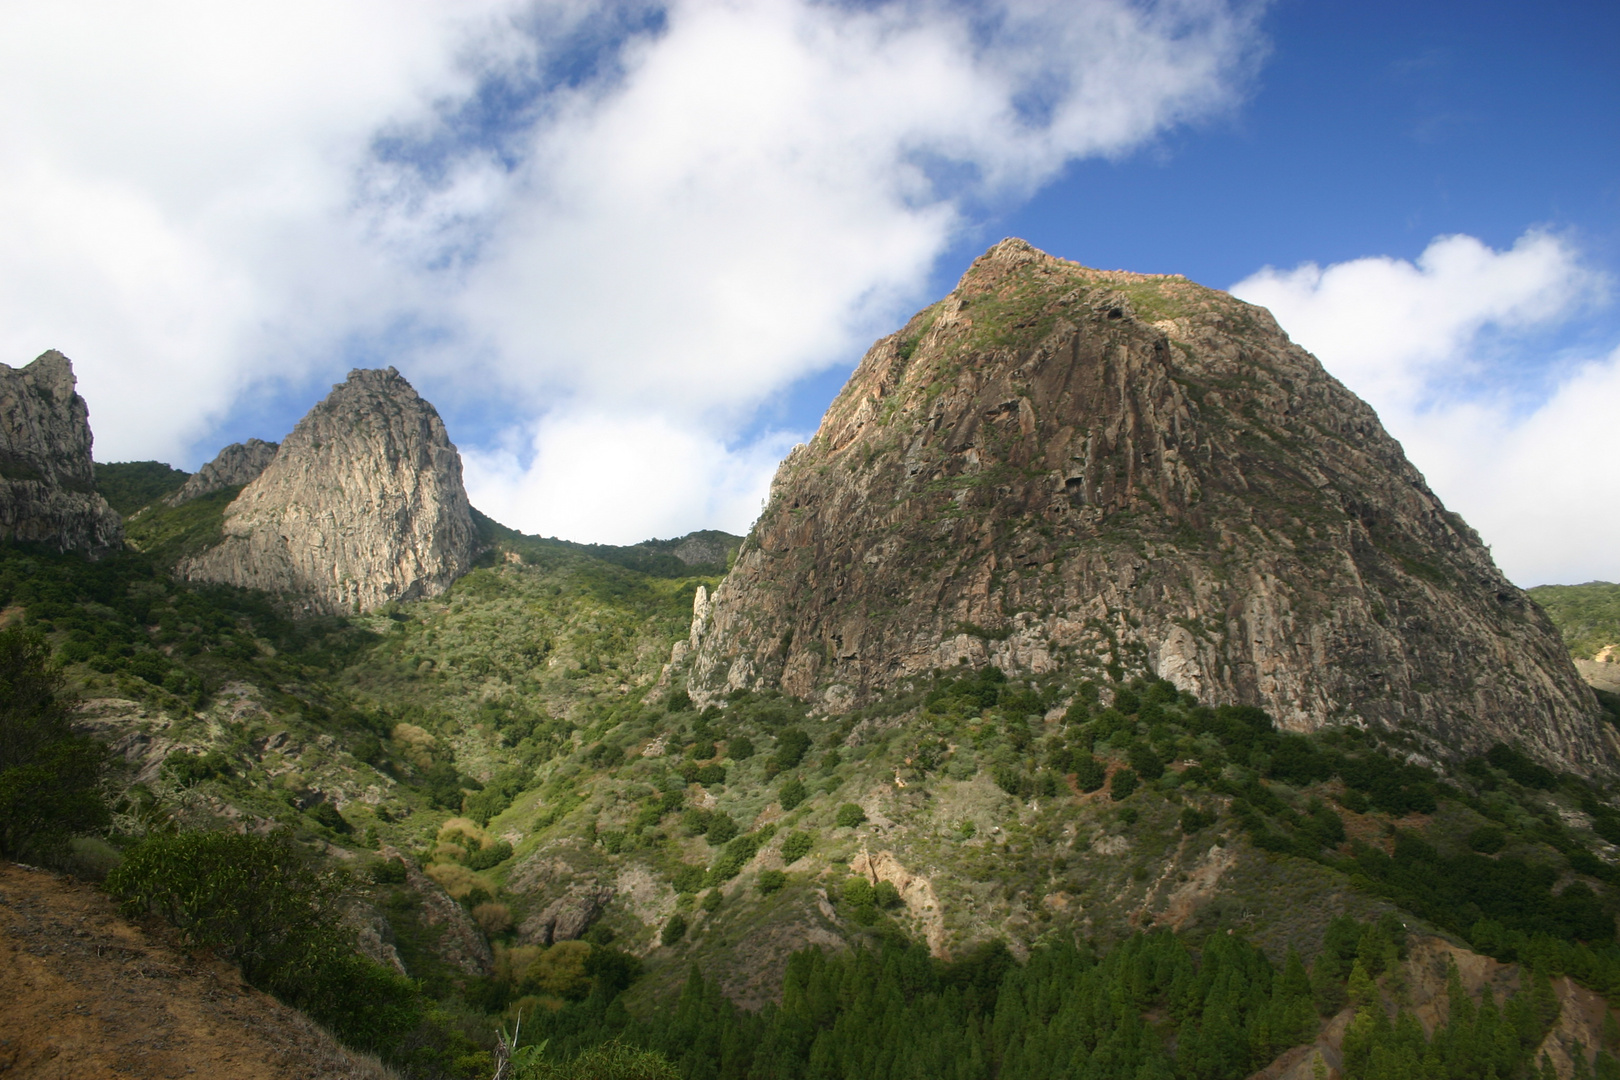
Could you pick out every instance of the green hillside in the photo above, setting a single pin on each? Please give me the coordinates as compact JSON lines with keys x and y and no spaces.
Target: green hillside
{"x":129,"y":485}
{"x":978,"y":841}
{"x":1587,"y":615}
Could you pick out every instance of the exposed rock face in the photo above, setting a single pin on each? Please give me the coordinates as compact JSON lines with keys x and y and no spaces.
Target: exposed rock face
{"x":461,"y":943}
{"x":47,"y":476}
{"x":362,"y":504}
{"x":1058,"y":467}
{"x":567,"y":917}
{"x":237,"y":464}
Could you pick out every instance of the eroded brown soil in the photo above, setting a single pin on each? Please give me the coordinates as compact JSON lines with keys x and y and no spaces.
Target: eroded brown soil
{"x":86,"y":994}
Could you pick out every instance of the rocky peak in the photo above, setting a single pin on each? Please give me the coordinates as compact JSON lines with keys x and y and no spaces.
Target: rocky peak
{"x":237,"y":464}
{"x":47,"y":474}
{"x":1059,"y":468}
{"x":362,"y":504}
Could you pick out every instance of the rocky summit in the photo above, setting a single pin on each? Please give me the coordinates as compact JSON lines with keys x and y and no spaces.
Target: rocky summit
{"x":362,"y":504}
{"x":1059,"y":467}
{"x":236,"y":465}
{"x":47,"y":475}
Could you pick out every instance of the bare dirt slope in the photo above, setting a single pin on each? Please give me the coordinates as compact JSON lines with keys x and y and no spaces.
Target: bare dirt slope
{"x":85,"y":994}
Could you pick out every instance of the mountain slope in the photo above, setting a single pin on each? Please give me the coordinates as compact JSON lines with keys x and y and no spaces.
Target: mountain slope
{"x":89,"y":994}
{"x":363,"y":504}
{"x":47,"y":476}
{"x":1058,"y":468}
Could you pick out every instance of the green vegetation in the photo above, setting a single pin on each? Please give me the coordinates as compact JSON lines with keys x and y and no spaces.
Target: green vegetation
{"x":50,"y":778}
{"x":129,"y":485}
{"x":516,"y":713}
{"x":1152,"y":1006}
{"x":260,"y":905}
{"x":169,"y":533}
{"x":655,"y":558}
{"x":1588,"y":616}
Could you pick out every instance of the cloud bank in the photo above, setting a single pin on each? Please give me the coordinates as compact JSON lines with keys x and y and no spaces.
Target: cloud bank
{"x":1455,"y":351}
{"x":615,"y":229}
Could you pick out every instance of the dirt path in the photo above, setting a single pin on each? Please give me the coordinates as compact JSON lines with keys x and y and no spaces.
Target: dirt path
{"x":85,"y":994}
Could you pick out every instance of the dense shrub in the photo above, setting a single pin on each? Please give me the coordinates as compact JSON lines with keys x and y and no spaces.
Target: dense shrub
{"x":796,"y":846}
{"x":49,"y":777}
{"x":791,"y":746}
{"x":257,"y":903}
{"x":1089,"y":773}
{"x":850,"y":815}
{"x":722,"y":828}
{"x":1123,"y":785}
{"x":674,"y":930}
{"x":1521,"y":768}
{"x":771,"y":881}
{"x":791,"y":793}
{"x":503,"y":788}
{"x":493,"y":855}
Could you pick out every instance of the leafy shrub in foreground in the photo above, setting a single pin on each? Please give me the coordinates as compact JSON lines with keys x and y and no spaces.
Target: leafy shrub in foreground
{"x":611,"y":1061}
{"x":257,"y":904}
{"x":49,"y":777}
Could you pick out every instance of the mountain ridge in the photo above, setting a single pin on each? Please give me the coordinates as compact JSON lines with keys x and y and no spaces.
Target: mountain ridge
{"x":1058,"y":466}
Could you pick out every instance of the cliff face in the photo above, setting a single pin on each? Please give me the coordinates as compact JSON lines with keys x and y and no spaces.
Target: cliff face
{"x":238,"y":463}
{"x":362,"y":504}
{"x":1058,"y":467}
{"x":47,"y":475}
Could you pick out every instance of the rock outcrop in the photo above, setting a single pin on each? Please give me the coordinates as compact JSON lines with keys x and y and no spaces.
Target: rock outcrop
{"x":1064,"y":468}
{"x":47,"y":476}
{"x":236,"y":465}
{"x":362,"y":504}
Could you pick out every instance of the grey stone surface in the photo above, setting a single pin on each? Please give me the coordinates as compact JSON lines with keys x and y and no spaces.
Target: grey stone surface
{"x":47,"y":473}
{"x":362,"y":504}
{"x":1058,"y":468}
{"x":237,"y":464}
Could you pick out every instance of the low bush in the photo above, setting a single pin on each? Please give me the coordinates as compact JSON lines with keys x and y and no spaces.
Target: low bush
{"x":50,"y":778}
{"x":611,"y":1061}
{"x":796,"y":846}
{"x":791,"y":793}
{"x":487,"y":857}
{"x":259,"y":905}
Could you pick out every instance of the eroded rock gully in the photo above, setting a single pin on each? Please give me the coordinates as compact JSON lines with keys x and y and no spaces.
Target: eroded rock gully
{"x":1063,"y":467}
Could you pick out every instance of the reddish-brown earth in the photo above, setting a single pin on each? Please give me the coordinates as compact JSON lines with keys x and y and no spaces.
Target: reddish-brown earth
{"x":84,"y":994}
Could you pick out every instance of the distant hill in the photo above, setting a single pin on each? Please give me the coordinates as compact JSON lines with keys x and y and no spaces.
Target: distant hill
{"x":708,"y":551}
{"x":1588,"y":616}
{"x":130,"y":485}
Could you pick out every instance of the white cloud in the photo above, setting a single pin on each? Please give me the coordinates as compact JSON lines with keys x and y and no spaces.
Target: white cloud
{"x":1415,"y":340}
{"x":206,"y":201}
{"x":623,"y":476}
{"x":176,"y":178}
{"x":770,"y":182}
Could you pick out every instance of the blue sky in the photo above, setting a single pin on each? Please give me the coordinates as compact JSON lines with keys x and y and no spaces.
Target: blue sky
{"x":632,"y":250}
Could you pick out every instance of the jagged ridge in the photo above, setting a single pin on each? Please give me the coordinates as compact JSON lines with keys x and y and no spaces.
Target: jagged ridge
{"x":47,"y":475}
{"x":362,"y":504}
